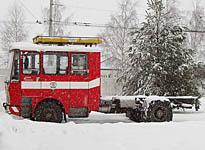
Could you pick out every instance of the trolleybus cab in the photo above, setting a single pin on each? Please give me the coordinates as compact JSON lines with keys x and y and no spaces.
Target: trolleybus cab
{"x":54,"y":76}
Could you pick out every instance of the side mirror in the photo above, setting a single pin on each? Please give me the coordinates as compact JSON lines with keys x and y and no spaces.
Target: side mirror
{"x":6,"y":82}
{"x":86,"y":72}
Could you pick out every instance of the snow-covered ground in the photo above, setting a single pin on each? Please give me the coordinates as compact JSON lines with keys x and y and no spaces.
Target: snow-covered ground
{"x":104,"y":131}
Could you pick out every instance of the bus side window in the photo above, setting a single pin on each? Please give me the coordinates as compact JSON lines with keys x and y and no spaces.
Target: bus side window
{"x":15,"y":68}
{"x":31,"y":63}
{"x":79,"y":64}
{"x":55,"y":63}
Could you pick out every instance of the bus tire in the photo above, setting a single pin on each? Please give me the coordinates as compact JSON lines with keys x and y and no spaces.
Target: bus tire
{"x":49,"y":111}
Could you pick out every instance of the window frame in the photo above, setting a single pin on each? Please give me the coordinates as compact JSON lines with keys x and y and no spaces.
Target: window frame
{"x":86,"y":72}
{"x":15,"y":52}
{"x":39,"y":63}
{"x":55,"y":53}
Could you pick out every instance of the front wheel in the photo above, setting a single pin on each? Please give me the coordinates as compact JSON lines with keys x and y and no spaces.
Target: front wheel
{"x":48,"y":111}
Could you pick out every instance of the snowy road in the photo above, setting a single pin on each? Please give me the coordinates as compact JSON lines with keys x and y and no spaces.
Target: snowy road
{"x":104,"y":131}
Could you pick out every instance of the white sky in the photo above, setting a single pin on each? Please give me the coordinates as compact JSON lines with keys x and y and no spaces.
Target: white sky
{"x":92,"y":11}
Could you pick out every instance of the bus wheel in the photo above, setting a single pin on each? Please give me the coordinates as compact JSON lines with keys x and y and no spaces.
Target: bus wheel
{"x":48,"y":111}
{"x":159,"y":111}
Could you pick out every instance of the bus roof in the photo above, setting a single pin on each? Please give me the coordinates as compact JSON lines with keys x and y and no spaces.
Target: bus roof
{"x":67,"y":48}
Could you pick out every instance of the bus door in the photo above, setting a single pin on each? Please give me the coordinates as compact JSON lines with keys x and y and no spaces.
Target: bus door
{"x":79,"y":80}
{"x":30,"y":84}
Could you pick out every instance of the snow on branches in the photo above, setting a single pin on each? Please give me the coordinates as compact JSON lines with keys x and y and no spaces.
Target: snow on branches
{"x":159,"y":61}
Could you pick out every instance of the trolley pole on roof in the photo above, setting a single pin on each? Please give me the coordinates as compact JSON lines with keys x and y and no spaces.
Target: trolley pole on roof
{"x":51,"y":19}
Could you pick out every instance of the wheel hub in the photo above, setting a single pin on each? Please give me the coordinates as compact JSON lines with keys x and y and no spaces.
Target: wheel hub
{"x":49,"y":114}
{"x":160,"y":113}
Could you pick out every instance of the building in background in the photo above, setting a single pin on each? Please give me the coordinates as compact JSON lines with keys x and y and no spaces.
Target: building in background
{"x":109,"y":76}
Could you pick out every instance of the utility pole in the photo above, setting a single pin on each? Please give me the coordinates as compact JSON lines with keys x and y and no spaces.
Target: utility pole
{"x":50,"y":32}
{"x":51,"y":19}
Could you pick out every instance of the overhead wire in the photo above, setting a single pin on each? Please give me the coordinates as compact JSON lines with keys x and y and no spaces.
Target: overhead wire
{"x":82,"y":24}
{"x":30,"y":12}
{"x":25,"y":22}
{"x":91,"y":25}
{"x":80,"y":7}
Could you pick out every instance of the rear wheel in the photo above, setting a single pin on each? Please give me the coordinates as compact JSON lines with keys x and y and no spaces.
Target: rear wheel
{"x":49,"y":111}
{"x":159,"y":111}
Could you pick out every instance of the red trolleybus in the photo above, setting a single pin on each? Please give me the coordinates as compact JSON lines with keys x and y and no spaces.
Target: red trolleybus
{"x":60,"y":76}
{"x":54,"y":76}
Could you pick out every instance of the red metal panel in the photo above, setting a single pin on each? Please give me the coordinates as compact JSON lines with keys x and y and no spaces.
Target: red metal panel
{"x":69,"y":97}
{"x":15,"y":97}
{"x":94,"y":97}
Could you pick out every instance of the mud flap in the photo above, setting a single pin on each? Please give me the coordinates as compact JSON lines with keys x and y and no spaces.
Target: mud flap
{"x":78,"y":112}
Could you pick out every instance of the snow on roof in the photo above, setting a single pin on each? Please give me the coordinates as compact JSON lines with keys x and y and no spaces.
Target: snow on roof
{"x":36,"y":47}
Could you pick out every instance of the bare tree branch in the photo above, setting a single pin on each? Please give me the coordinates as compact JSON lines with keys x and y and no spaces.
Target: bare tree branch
{"x":118,"y":38}
{"x":13,"y":30}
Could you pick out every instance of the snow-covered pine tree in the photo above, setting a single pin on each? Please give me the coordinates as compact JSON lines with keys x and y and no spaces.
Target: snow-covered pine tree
{"x":159,"y":61}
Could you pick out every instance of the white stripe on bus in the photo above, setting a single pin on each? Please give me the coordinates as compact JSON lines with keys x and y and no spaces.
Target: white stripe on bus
{"x":60,"y":85}
{"x":15,"y":109}
{"x":94,"y":83}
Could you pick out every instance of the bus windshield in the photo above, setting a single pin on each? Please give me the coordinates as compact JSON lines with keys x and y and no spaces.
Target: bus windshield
{"x":14,"y":65}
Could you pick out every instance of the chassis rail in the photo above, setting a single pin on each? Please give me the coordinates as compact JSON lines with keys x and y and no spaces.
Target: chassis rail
{"x":120,"y":104}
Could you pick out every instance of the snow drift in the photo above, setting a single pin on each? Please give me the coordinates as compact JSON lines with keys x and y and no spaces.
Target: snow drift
{"x":103,"y":131}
